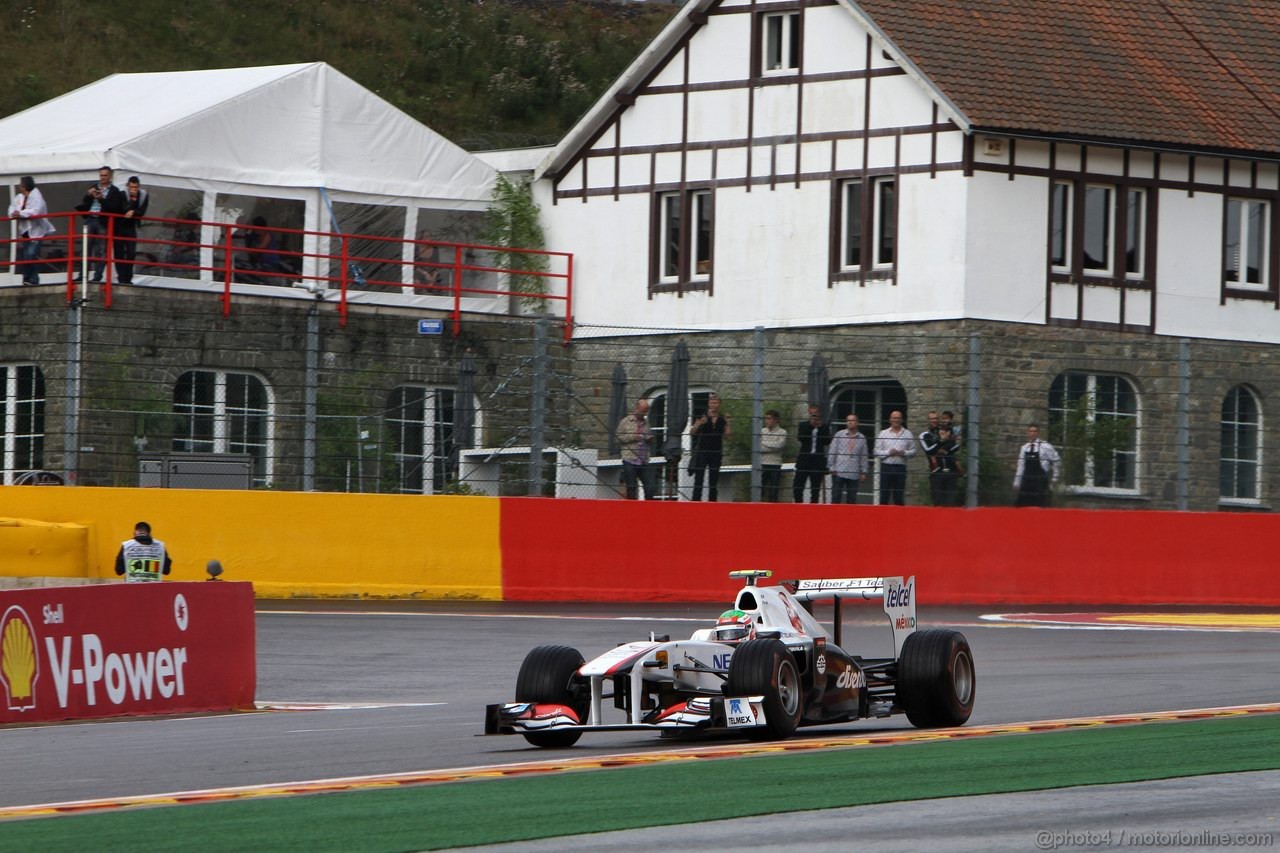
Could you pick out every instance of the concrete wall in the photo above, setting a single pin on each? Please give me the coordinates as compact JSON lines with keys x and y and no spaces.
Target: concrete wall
{"x":287,"y":543}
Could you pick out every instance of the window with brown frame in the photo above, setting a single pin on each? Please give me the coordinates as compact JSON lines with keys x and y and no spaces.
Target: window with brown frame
{"x":684,"y":237}
{"x":1098,"y":231}
{"x":780,"y":43}
{"x":1246,"y":245}
{"x":866,"y":213}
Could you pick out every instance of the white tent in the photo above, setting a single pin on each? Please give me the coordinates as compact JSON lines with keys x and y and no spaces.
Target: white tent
{"x":305,"y":126}
{"x":303,"y":143}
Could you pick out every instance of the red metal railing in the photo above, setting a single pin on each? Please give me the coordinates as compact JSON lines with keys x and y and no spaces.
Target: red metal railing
{"x":248,"y":254}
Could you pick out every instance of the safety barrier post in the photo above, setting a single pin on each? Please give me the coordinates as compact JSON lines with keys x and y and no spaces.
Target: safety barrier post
{"x":342,"y":299}
{"x":457,"y":289}
{"x":568,"y":300}
{"x":227,"y":264}
{"x":107,"y":263}
{"x":71,"y":258}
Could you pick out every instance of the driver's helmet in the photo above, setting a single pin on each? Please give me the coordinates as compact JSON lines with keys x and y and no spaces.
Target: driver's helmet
{"x":734,"y":626}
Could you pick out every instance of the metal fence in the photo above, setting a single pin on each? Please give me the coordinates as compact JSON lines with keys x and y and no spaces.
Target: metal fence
{"x":507,"y":408}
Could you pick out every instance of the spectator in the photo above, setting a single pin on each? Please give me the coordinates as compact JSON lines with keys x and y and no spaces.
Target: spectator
{"x":811,"y":461}
{"x":847,"y":460}
{"x":772,"y":439}
{"x":142,"y":558}
{"x":929,"y":444}
{"x":263,"y":247}
{"x":102,"y":198}
{"x":709,"y":433}
{"x":427,"y":257}
{"x":945,"y":469}
{"x":894,"y":446}
{"x":1037,"y":469}
{"x":635,"y":437}
{"x":29,"y":208}
{"x":957,"y":434}
{"x":136,"y":200}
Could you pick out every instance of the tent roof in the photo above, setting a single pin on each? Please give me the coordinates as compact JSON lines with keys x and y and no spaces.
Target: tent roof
{"x":304,"y":125}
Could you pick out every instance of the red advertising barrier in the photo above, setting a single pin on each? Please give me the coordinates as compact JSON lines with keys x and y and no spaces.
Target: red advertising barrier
{"x":109,"y":650}
{"x":586,"y":550}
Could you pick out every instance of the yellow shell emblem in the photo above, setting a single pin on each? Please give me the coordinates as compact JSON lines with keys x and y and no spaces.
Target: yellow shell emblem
{"x":19,"y":666}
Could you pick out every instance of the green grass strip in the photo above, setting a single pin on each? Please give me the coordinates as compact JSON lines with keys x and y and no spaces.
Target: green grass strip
{"x":498,"y":810}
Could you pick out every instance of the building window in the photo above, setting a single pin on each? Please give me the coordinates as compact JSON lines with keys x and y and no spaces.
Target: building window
{"x":1096,"y":229}
{"x":1245,"y":243}
{"x":420,"y":426}
{"x":873,"y":402}
{"x":22,"y":414}
{"x":1241,"y":447}
{"x":780,"y":43}
{"x":1135,"y":225}
{"x":686,"y":231}
{"x":868,"y":224}
{"x":222,"y":412}
{"x":1093,"y":420}
{"x":1060,"y":227}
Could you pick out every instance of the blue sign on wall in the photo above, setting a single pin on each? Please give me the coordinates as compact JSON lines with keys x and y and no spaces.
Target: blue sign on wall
{"x":431,"y":327}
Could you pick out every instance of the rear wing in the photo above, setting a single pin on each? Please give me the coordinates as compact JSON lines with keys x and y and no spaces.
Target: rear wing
{"x":897,"y":595}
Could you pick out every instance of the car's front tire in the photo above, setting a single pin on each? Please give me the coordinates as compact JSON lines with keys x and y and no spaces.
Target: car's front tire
{"x":767,"y":668}
{"x":937,"y":681}
{"x":546,"y":677}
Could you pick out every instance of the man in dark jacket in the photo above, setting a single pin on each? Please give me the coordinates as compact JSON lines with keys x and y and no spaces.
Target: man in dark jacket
{"x":811,"y":462}
{"x":102,"y":198}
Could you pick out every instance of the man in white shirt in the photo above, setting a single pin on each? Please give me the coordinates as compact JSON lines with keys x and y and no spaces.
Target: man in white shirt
{"x":1037,"y":470}
{"x":847,"y":461}
{"x":894,"y":446}
{"x":29,"y":207}
{"x":772,"y":439}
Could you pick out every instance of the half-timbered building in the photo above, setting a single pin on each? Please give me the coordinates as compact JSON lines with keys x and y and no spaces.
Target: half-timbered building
{"x":1084,"y":189}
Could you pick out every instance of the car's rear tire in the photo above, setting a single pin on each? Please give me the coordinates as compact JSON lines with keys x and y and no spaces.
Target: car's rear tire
{"x":546,"y":677}
{"x":937,"y":680}
{"x":767,"y":668}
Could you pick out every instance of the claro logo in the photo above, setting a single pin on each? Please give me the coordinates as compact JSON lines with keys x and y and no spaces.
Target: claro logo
{"x":19,"y":662}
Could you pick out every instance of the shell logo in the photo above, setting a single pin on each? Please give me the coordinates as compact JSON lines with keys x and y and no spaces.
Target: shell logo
{"x":19,"y":662}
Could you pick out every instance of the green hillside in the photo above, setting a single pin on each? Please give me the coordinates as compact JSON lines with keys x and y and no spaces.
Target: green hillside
{"x":485,"y":73}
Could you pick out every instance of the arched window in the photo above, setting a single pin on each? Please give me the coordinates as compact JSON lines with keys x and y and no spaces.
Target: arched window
{"x":22,"y":416}
{"x":420,"y":425}
{"x":223,"y":412}
{"x":1094,"y":422}
{"x":1241,"y":446}
{"x":871,"y":401}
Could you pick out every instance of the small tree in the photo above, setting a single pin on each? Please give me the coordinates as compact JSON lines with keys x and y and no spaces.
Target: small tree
{"x":1090,"y":443}
{"x":514,"y":221}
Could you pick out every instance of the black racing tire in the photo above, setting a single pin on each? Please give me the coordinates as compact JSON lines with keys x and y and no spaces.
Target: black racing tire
{"x":937,"y":680}
{"x":546,"y":677}
{"x":767,"y":668}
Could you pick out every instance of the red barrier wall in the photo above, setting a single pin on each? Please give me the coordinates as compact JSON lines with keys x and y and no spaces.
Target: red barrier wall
{"x":640,"y":550}
{"x":107,"y":650}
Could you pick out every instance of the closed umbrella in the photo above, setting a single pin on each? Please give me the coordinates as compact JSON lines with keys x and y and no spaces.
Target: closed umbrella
{"x":464,"y":408}
{"x":677,"y":402}
{"x":617,"y":406}
{"x":819,"y":386}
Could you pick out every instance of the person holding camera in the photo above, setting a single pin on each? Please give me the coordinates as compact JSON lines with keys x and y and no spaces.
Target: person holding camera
{"x":709,"y":433}
{"x":136,"y":200}
{"x":101,"y":201}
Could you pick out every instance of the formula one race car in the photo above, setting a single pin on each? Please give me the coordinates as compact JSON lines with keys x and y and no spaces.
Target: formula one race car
{"x":767,"y":667}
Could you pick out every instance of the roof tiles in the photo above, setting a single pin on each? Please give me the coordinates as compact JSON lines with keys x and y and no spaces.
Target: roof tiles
{"x":1185,"y":73}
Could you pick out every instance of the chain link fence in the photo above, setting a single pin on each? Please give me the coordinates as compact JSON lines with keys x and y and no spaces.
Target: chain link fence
{"x":506,"y":408}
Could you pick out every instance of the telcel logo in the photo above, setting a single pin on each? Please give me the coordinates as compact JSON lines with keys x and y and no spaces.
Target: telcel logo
{"x":19,"y":663}
{"x":898,"y":596}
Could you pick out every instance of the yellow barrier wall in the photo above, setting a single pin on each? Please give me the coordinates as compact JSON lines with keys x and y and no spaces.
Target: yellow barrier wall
{"x":291,"y":544}
{"x":40,"y":549}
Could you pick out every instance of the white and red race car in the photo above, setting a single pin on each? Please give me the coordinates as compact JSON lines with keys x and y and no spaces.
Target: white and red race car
{"x":767,"y":670}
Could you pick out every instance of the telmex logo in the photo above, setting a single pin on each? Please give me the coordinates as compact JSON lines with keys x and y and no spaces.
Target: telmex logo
{"x":19,"y":663}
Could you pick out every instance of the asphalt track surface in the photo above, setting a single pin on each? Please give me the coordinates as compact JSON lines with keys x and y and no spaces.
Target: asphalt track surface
{"x":428,"y":668}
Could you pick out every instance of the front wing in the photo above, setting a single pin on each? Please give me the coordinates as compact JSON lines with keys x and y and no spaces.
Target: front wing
{"x":702,"y":713}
